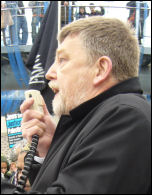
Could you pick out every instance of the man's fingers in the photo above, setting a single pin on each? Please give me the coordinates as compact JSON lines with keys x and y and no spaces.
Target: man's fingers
{"x":33,"y":122}
{"x":28,"y":133}
{"x":26,"y":105}
{"x":29,"y":102}
{"x":32,"y":114}
{"x":45,"y":109}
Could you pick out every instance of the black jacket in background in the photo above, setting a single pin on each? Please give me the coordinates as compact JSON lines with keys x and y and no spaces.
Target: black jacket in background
{"x":20,"y":4}
{"x":103,"y":147}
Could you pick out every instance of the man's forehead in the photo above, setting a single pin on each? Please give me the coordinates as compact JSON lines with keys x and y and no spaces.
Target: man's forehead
{"x":63,"y":48}
{"x":68,"y":42}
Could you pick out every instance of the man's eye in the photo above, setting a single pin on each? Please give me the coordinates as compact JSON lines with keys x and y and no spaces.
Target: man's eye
{"x":61,"y":60}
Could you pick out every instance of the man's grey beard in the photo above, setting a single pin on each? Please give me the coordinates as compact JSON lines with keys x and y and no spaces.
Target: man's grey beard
{"x":63,"y":105}
{"x":66,"y":100}
{"x":58,"y":106}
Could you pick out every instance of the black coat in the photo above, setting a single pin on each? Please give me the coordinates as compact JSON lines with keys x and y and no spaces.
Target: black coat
{"x":102,"y":147}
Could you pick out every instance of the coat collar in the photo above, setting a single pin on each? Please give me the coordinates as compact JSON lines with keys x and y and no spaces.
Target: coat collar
{"x":131,"y":85}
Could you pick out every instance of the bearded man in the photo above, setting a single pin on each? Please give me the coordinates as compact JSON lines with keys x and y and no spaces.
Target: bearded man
{"x":101,"y":143}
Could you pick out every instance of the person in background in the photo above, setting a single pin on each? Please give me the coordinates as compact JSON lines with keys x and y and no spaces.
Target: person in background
{"x":102,"y":11}
{"x":82,"y":13}
{"x":38,"y":15}
{"x":65,"y":12}
{"x":3,"y":25}
{"x":6,"y":21}
{"x":13,"y":167}
{"x":5,"y":168}
{"x":20,"y":23}
{"x":19,"y":152}
{"x":12,"y":5}
{"x":93,"y":11}
{"x":144,"y":13}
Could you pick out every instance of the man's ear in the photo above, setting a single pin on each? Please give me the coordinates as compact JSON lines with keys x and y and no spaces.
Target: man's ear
{"x":103,"y":69}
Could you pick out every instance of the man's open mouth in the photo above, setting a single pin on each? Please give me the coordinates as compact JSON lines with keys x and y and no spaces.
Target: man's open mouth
{"x":54,"y":87}
{"x":55,"y":90}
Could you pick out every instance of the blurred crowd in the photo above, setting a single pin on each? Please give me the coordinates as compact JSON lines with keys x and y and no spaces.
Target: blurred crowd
{"x":11,"y":169}
{"x":13,"y":16}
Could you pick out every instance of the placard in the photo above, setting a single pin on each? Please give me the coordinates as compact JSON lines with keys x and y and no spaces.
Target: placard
{"x":13,"y":124}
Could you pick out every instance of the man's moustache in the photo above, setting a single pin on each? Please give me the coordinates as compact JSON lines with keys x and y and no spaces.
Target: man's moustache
{"x":54,"y":86}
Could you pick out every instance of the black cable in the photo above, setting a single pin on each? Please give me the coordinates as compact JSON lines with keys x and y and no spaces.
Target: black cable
{"x":27,"y":165}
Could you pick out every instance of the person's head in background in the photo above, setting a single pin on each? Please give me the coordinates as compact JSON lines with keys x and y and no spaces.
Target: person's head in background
{"x":4,"y":165}
{"x":92,"y":8}
{"x":13,"y":167}
{"x":5,"y":173}
{"x":18,"y":154}
{"x":94,"y":54}
{"x":82,"y":10}
{"x":20,"y":167}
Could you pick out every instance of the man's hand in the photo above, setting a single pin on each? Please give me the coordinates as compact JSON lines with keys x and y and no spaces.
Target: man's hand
{"x":34,"y":122}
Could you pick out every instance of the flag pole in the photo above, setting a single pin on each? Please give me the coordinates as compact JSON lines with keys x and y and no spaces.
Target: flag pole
{"x":59,"y":17}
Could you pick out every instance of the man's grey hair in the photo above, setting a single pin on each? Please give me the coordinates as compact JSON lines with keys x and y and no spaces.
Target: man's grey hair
{"x":107,"y":37}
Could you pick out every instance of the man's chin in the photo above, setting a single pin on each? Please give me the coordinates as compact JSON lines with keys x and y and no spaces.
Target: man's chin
{"x":58,"y":106}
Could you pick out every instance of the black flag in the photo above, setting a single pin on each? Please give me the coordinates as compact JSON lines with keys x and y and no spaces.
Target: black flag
{"x":42,"y":54}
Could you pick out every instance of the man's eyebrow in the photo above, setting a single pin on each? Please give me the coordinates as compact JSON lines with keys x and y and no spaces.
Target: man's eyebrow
{"x":58,"y":51}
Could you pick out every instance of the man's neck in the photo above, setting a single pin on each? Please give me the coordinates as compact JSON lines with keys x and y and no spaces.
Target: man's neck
{"x":105,"y":85}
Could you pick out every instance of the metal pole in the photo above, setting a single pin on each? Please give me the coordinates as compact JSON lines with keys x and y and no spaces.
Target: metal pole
{"x":137,"y":17}
{"x":59,"y":17}
{"x":70,"y":12}
{"x":65,"y":9}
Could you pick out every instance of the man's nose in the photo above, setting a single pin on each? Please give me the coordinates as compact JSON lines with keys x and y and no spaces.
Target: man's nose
{"x":51,"y":73}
